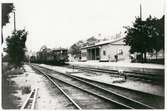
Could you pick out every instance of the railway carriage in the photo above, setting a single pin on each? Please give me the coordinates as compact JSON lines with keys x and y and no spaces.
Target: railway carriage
{"x":60,"y":55}
{"x":48,"y":56}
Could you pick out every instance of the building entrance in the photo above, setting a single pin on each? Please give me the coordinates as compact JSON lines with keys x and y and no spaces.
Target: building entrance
{"x":93,"y":54}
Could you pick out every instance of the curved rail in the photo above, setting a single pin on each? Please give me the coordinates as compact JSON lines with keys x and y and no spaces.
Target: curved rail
{"x":66,"y":95}
{"x":147,"y":99}
{"x":134,"y":104}
{"x":90,"y":92}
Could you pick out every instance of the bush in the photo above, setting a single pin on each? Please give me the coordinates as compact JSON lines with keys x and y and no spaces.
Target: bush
{"x":26,"y":89}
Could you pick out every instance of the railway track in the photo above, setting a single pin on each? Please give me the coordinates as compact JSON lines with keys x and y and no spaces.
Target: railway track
{"x":81,"y":98}
{"x":72,"y":103}
{"x":31,"y":100}
{"x":155,"y":101}
{"x":84,"y":99}
{"x":98,"y":90}
{"x":148,"y":77}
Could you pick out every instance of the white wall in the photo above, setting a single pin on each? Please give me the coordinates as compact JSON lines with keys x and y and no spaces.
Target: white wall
{"x":83,"y":57}
{"x":112,"y":50}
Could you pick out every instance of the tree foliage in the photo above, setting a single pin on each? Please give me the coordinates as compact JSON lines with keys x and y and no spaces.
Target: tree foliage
{"x":75,"y":49}
{"x":16,"y":47}
{"x":158,"y":42}
{"x":6,"y":9}
{"x":91,"y":41}
{"x":145,"y":36}
{"x":43,"y":53}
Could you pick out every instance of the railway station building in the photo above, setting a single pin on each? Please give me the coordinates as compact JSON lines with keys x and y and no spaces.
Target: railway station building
{"x":106,"y":51}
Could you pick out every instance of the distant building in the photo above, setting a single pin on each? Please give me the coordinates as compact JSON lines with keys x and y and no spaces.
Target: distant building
{"x":106,"y":51}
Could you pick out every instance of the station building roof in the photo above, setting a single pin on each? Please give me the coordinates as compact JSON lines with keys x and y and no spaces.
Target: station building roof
{"x":118,"y":41}
{"x":59,"y":49}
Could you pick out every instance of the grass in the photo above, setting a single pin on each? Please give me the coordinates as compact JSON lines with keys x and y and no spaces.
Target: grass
{"x":9,"y":87}
{"x":26,"y":89}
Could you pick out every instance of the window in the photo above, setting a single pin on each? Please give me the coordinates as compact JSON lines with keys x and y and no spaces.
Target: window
{"x":104,"y":52}
{"x":120,"y":52}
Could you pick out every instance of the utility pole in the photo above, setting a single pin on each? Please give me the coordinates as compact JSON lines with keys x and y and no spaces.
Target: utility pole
{"x":1,"y":25}
{"x":140,"y":12}
{"x":14,"y":21}
{"x":1,"y":35}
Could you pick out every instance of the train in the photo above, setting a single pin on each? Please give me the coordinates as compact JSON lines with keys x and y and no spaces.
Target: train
{"x":47,"y":56}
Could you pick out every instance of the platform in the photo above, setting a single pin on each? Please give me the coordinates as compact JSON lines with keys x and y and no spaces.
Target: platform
{"x":125,"y":66}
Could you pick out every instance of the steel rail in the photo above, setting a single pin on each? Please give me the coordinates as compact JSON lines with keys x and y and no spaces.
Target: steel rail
{"x":108,"y":91}
{"x":31,"y":99}
{"x":145,"y":103}
{"x":110,"y":70}
{"x":90,"y":92}
{"x":34,"y":99}
{"x":123,"y":97}
{"x":147,"y":106}
{"x":123,"y":87}
{"x":119,"y":87}
{"x":68,"y":97}
{"x":140,"y":75}
{"x":101,"y":96}
{"x":148,"y":98}
{"x":103,"y":83}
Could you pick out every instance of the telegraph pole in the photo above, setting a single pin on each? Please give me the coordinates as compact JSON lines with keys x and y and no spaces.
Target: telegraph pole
{"x":1,"y":25}
{"x":140,"y":12}
{"x":14,"y":21}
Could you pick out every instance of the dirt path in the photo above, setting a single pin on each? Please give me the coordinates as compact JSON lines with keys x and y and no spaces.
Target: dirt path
{"x":16,"y":87}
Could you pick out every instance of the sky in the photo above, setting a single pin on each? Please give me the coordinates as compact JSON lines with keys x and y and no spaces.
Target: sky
{"x":61,"y":23}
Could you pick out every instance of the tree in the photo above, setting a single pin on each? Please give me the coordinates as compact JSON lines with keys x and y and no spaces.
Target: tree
{"x":145,"y":36}
{"x":92,"y":40}
{"x":16,"y":47}
{"x":7,"y":8}
{"x":158,"y":35}
{"x":75,"y":50}
{"x":43,"y":53}
{"x":136,"y":37}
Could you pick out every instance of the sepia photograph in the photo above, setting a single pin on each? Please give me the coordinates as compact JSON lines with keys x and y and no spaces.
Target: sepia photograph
{"x":82,"y":54}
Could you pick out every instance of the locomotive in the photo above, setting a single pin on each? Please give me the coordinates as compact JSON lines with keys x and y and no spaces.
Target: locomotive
{"x":47,"y":56}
